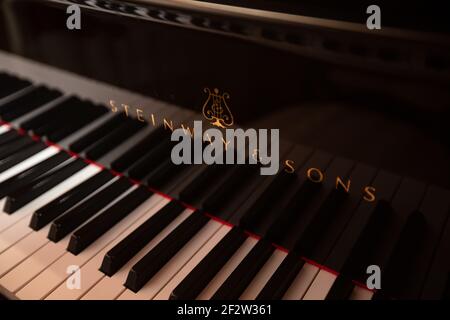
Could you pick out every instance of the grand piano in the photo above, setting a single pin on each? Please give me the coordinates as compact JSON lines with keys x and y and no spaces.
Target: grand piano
{"x":87,"y":184}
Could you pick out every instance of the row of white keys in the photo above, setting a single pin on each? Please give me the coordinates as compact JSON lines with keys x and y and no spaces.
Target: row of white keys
{"x":7,"y":220}
{"x":360,"y":293}
{"x":227,"y":269}
{"x":171,"y":268}
{"x":56,"y":272}
{"x":320,"y":286}
{"x":4,"y":128}
{"x":165,"y":293}
{"x":263,"y":276}
{"x":302,"y":282}
{"x":28,"y":163}
{"x":109,"y":288}
{"x":323,"y":283}
{"x":20,"y":229}
{"x":39,"y":260}
{"x":33,"y":241}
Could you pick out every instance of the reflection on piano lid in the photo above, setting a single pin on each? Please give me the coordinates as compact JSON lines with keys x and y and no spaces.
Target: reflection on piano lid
{"x":185,"y":232}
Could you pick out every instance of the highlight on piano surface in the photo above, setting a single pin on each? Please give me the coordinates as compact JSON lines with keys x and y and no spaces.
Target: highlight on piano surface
{"x":94,"y":207}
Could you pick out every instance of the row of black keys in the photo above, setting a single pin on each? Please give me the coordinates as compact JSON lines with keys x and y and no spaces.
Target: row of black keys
{"x":266,"y":199}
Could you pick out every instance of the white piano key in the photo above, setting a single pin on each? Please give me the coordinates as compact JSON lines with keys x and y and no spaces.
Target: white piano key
{"x":360,"y":293}
{"x":302,"y":282}
{"x":8,"y":220}
{"x":154,"y":286}
{"x":261,"y":278}
{"x":28,"y":163}
{"x":320,"y":286}
{"x":20,"y":229}
{"x":164,"y":294}
{"x":41,"y":259}
{"x":4,"y":128}
{"x":14,"y":233}
{"x":56,"y":273}
{"x":90,"y":271}
{"x":23,"y":249}
{"x":16,"y":94}
{"x":227,"y":269}
{"x":109,"y":288}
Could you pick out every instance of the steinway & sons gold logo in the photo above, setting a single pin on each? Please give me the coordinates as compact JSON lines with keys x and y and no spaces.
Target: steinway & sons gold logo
{"x":216,"y":110}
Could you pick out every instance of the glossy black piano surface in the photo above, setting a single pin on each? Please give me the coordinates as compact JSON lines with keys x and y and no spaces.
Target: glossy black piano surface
{"x":373,"y":106}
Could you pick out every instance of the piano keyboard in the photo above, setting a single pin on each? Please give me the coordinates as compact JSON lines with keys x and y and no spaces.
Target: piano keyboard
{"x":132,"y":241}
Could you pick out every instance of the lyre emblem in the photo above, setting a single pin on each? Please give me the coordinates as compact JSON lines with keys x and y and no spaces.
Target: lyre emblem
{"x":216,"y":110}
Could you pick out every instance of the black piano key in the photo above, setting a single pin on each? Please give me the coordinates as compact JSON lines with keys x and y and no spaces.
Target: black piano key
{"x":71,"y":108}
{"x":409,"y":241}
{"x":21,"y":155}
{"x":79,"y":214}
{"x":29,"y":102}
{"x":154,"y":260}
{"x":278,"y":183}
{"x":282,"y":278}
{"x":321,"y":219}
{"x":58,"y":206}
{"x":107,"y":143}
{"x":70,"y":128}
{"x":299,"y":227}
{"x":42,"y":119}
{"x":23,"y":196}
{"x":379,"y":249}
{"x":360,"y":177}
{"x":244,"y":273}
{"x":434,"y":285}
{"x":364,"y":221}
{"x":205,"y":271}
{"x":214,"y":202}
{"x":165,"y":174}
{"x":27,"y":176}
{"x":435,"y":208}
{"x":229,"y":199}
{"x":94,"y":229}
{"x":81,"y":113}
{"x":15,"y":146}
{"x":139,"y":149}
{"x":135,"y":241}
{"x":341,"y":289}
{"x":203,"y":181}
{"x":150,"y":161}
{"x":294,"y":208}
{"x":358,"y":257}
{"x":8,"y":136}
{"x":96,"y":134}
{"x":10,"y":85}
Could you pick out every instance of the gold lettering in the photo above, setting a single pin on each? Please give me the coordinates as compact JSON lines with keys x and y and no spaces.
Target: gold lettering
{"x":209,"y":138}
{"x":313,"y":177}
{"x":187,"y":130}
{"x":168,"y":124}
{"x":125,"y":108}
{"x":345,"y":186}
{"x":226,"y":143}
{"x":369,"y":194}
{"x":112,"y":103}
{"x":140,"y":115}
{"x":289,"y":166}
{"x":152,"y":117}
{"x":255,"y":155}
